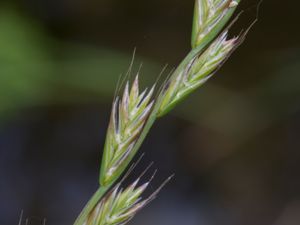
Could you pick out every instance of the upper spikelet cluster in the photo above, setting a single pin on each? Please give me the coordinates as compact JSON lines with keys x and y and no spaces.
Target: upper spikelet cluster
{"x":128,"y":117}
{"x":197,"y":72}
{"x":208,"y":16}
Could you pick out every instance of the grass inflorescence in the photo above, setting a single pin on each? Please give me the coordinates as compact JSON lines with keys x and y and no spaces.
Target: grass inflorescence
{"x":134,"y":112}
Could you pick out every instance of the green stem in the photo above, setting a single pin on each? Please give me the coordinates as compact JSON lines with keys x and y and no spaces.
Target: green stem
{"x":91,"y":205}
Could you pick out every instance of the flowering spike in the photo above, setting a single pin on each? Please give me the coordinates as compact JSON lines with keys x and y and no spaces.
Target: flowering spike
{"x":127,"y":120}
{"x":119,"y":206}
{"x":134,"y":114}
{"x":198,"y":71}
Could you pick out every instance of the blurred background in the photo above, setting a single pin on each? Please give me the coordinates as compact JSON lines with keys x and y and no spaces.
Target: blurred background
{"x":233,"y":145}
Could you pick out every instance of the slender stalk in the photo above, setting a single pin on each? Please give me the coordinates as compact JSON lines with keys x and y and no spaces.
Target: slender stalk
{"x":102,"y":190}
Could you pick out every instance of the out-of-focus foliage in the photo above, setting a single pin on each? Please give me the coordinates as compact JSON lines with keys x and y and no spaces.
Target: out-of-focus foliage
{"x":38,"y":70}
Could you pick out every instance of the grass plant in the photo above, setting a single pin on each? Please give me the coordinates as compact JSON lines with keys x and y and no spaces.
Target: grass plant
{"x":134,"y":112}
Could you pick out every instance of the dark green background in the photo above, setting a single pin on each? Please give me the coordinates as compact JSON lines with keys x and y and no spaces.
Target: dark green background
{"x":233,"y":145}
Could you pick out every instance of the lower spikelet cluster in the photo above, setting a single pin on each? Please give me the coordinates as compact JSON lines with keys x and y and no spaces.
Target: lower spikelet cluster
{"x":119,"y":206}
{"x":128,"y":117}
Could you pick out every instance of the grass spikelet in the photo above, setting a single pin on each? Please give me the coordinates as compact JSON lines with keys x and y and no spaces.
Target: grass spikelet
{"x":197,"y":72}
{"x":208,"y":15}
{"x":120,"y":206}
{"x":128,"y":117}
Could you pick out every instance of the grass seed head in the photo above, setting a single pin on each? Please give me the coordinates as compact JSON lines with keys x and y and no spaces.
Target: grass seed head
{"x":128,"y":117}
{"x":134,"y":113}
{"x":119,"y":206}
{"x":197,"y":72}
